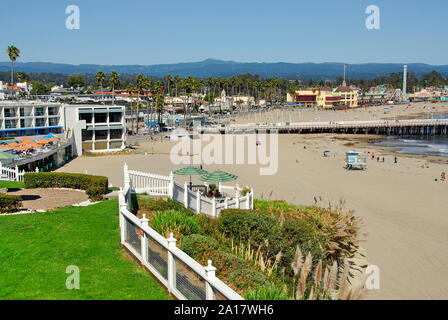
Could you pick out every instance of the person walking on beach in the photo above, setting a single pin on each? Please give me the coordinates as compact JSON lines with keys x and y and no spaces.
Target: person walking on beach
{"x":395,"y":159}
{"x":377,"y":159}
{"x":442,"y":176}
{"x":383,"y":160}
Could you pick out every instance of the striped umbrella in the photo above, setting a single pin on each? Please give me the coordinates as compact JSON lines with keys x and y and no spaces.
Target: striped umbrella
{"x":218,"y":176}
{"x":190,"y":171}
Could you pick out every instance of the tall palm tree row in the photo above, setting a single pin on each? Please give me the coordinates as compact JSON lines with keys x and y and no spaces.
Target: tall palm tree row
{"x":114,"y":83}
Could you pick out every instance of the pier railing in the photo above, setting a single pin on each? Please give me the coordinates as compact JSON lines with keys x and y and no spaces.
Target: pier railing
{"x":332,"y":125}
{"x":184,"y":277}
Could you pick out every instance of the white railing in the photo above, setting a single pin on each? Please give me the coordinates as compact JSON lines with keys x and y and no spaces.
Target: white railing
{"x":185,"y":278}
{"x":158,"y":185}
{"x":12,"y":174}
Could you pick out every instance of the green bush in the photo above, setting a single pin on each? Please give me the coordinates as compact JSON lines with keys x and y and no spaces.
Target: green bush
{"x":178,"y":222}
{"x":196,"y":245}
{"x":268,"y":293}
{"x":247,"y":225}
{"x":9,"y":203}
{"x":152,"y":206}
{"x":95,"y":186}
{"x":266,"y":231}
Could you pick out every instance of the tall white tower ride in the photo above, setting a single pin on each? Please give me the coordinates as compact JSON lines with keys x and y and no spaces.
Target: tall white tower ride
{"x":405,"y":83}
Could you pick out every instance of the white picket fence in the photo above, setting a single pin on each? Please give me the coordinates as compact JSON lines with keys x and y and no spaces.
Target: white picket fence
{"x":185,"y":278}
{"x":158,"y":185}
{"x":12,"y":174}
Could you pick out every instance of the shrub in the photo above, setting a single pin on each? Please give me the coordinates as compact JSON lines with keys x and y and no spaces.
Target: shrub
{"x":177,"y":222}
{"x":95,"y":186}
{"x":9,"y":203}
{"x":151,"y":206}
{"x":269,"y":234}
{"x":196,"y":245}
{"x":247,"y":225}
{"x":268,"y":293}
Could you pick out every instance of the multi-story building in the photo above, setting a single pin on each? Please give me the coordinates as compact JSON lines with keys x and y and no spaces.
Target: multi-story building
{"x":325,"y":97}
{"x":26,"y":118}
{"x":96,"y":128}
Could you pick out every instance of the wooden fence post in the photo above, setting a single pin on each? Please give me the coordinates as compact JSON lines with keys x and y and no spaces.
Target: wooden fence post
{"x":171,"y":264}
{"x":16,"y":171}
{"x":144,"y":239}
{"x":211,"y":275}
{"x":185,"y":195}
{"x":198,"y":201}
{"x":171,"y":186}
{"x":214,"y":207}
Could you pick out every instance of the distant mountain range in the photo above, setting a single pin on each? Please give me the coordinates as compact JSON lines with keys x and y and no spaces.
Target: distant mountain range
{"x":219,"y":68}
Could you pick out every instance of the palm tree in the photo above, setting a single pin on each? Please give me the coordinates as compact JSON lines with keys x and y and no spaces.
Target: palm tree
{"x":114,"y":82}
{"x":100,"y":77}
{"x":159,"y":100}
{"x":176,"y":82}
{"x":13,"y":54}
{"x":169,"y":81}
{"x":131,"y":89}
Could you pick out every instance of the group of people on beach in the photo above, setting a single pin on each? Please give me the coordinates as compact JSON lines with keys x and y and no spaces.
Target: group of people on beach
{"x":383,"y":159}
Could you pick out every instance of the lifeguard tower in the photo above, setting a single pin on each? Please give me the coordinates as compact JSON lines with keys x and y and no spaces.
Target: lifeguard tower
{"x":354,"y":160}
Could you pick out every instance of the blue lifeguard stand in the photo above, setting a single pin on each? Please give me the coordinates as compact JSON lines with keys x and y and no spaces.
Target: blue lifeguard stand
{"x":354,"y":160}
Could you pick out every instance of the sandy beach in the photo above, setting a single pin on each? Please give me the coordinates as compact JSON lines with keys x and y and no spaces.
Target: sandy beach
{"x":404,"y":210}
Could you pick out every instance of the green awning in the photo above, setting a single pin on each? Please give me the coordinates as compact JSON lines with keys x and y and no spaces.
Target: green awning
{"x":85,"y":111}
{"x":97,"y":128}
{"x":116,"y":127}
{"x":116,"y":110}
{"x":100,"y":110}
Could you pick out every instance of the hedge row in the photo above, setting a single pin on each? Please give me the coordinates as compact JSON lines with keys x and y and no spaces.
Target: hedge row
{"x":9,"y":203}
{"x":95,"y":186}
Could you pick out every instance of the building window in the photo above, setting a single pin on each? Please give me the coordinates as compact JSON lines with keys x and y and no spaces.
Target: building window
{"x":116,"y":133}
{"x":39,"y":112}
{"x":22,"y":123}
{"x":101,"y":145}
{"x":101,"y":135}
{"x":10,"y":124}
{"x":52,"y":111}
{"x":87,"y":135}
{"x":100,"y":117}
{"x":86,"y":116}
{"x":114,"y":117}
{"x":10,"y":113}
{"x":115,"y":145}
{"x":53,"y":121}
{"x":40,"y":122}
{"x":87,"y":146}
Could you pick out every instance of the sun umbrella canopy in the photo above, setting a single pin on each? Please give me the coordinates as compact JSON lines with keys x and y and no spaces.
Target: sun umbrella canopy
{"x":189,"y":171}
{"x":50,"y":136}
{"x":218,"y":176}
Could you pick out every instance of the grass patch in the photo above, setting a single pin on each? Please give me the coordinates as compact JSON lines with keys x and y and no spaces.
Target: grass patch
{"x":12,"y":184}
{"x":36,"y":249}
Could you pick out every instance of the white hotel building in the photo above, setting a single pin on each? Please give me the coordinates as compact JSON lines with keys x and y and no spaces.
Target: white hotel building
{"x":96,"y":128}
{"x":26,"y":118}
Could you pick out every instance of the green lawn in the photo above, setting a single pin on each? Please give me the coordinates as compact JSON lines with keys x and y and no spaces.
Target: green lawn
{"x":36,"y":249}
{"x":11,"y":184}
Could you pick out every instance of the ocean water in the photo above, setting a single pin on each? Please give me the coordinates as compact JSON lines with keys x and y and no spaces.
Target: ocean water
{"x":432,"y":146}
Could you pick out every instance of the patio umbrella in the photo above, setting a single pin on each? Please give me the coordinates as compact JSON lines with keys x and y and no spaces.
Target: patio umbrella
{"x":49,"y":136}
{"x":190,"y":171}
{"x":218,"y":176}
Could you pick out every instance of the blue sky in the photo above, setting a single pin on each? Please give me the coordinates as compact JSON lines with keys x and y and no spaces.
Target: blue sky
{"x":168,"y":31}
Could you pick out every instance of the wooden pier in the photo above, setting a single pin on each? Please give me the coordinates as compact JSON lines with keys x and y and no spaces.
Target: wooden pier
{"x":418,"y":127}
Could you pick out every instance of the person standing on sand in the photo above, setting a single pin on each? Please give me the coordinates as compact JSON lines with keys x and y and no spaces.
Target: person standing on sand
{"x":383,"y":159}
{"x":442,"y":176}
{"x":377,"y":159}
{"x":395,"y":159}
